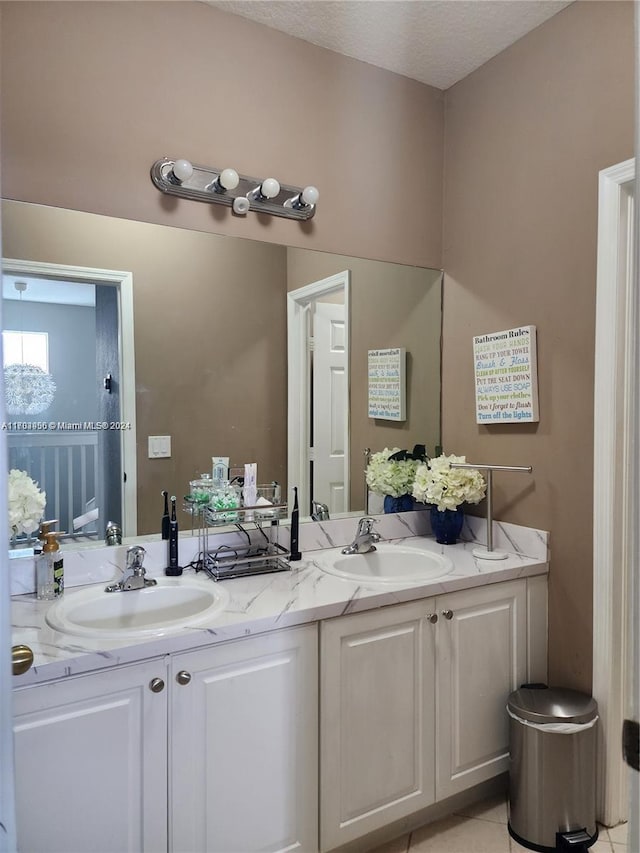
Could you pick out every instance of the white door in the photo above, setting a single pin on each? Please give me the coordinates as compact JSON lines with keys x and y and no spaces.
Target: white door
{"x":7,"y":799}
{"x":330,"y":407}
{"x":301,"y":305}
{"x":244,"y":751}
{"x":481,"y":658}
{"x":91,"y":763}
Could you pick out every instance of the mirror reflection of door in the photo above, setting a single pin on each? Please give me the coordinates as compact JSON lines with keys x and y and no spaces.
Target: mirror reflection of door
{"x":318,"y":394}
{"x":69,"y":330}
{"x":329,"y":413}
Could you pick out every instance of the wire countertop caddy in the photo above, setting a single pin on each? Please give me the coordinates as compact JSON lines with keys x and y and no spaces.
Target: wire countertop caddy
{"x":253,"y":558}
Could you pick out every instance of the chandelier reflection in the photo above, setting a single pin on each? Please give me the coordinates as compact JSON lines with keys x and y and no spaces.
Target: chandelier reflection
{"x":29,"y":389}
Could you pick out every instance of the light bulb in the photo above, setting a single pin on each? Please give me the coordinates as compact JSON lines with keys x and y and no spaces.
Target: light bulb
{"x":269,"y":188}
{"x":310,"y":195}
{"x":229,"y":179}
{"x":182,"y":170}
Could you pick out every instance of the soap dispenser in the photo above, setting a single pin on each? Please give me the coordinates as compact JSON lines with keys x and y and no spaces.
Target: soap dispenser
{"x":44,"y":571}
{"x":53,"y":561}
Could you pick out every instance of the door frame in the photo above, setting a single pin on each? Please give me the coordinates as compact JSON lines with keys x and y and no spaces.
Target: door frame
{"x":124,"y":282}
{"x":298,"y":385}
{"x":615,"y":375}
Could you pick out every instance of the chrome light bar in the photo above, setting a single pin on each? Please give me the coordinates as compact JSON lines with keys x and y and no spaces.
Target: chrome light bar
{"x":240,"y":192}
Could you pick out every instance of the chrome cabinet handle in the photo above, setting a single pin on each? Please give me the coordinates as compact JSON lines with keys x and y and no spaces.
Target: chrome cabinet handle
{"x":448,"y":614}
{"x":21,"y":659}
{"x":183,"y":677}
{"x":156,"y":685}
{"x":433,"y":618}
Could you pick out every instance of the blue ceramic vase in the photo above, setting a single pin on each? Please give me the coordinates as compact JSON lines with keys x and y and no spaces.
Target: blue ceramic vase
{"x":402,"y":504}
{"x":446,"y":525}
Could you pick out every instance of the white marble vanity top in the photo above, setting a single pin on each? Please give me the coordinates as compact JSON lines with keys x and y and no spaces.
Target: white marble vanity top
{"x":282,"y":599}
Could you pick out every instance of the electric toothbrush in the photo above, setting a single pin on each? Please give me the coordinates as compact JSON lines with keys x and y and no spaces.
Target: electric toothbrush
{"x":295,"y":521}
{"x":173,"y":569}
{"x":166,"y":521}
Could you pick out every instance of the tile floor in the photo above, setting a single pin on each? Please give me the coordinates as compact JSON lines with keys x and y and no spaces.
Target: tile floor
{"x":482,"y":828}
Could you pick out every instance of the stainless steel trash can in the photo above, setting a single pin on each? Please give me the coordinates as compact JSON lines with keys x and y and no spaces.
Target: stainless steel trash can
{"x":552,"y":775}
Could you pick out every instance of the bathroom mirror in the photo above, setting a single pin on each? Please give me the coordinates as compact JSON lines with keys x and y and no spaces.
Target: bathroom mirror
{"x":210,"y":344}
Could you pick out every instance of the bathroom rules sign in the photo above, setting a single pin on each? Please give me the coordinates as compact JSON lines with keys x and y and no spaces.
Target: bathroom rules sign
{"x":506,"y":376}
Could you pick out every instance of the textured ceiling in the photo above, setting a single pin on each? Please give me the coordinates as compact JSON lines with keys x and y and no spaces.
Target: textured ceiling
{"x":434,"y":41}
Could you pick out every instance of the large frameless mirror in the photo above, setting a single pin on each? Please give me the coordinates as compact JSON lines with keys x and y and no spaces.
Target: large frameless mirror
{"x":179,"y":342}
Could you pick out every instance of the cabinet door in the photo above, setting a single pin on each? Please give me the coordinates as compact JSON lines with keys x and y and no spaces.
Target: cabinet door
{"x":244,"y":754}
{"x":481,"y":658}
{"x":91,"y":763}
{"x":376,"y":719}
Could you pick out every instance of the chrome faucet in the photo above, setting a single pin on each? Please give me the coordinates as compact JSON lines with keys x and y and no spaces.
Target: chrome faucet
{"x":113,"y":534}
{"x":319,"y":511}
{"x":365,"y":538}
{"x":134,"y":573}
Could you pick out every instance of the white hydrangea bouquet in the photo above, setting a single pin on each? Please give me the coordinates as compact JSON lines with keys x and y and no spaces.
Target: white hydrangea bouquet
{"x":393,"y":477}
{"x":26,"y":503}
{"x":437,"y":483}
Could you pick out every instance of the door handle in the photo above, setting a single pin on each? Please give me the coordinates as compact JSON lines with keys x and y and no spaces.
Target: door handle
{"x":448,"y":614}
{"x":21,"y":659}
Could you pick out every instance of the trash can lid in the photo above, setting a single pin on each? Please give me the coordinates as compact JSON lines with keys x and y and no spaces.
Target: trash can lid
{"x":552,"y":705}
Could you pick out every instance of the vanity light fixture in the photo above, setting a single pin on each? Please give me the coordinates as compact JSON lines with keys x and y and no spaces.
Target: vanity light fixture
{"x":240,"y":192}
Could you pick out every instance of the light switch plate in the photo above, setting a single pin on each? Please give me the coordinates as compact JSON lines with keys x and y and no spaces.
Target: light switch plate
{"x":159,"y":446}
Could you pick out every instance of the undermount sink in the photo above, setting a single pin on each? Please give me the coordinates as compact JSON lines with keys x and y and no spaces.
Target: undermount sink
{"x":172,"y":604}
{"x":388,"y":564}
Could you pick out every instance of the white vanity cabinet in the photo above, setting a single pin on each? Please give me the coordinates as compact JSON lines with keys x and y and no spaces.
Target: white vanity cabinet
{"x":377,"y":716}
{"x":244,"y":746}
{"x":222,"y":758}
{"x":91,"y":763}
{"x":413,"y":704}
{"x":481,"y":658}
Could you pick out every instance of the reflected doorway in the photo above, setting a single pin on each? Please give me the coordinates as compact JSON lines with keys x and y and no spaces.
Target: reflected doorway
{"x":318,"y":393}
{"x":77,"y":445}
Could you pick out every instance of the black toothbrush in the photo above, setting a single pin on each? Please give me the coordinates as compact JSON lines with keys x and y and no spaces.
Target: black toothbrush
{"x":166,"y":521}
{"x":173,"y":569}
{"x":295,"y":521}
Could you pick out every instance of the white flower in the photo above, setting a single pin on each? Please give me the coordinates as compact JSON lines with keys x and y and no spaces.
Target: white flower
{"x":390,"y":477}
{"x":25,"y":502}
{"x":438,"y":483}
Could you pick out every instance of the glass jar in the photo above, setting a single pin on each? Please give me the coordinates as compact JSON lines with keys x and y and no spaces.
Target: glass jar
{"x":225,"y":495}
{"x":201,"y":489}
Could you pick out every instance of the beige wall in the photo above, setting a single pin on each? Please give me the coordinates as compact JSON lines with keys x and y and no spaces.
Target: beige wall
{"x":392,"y":306}
{"x":210,"y":339}
{"x":526,"y":135}
{"x":94,"y":93}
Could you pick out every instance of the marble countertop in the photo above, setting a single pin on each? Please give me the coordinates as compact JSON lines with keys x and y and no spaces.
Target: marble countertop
{"x":257,"y":604}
